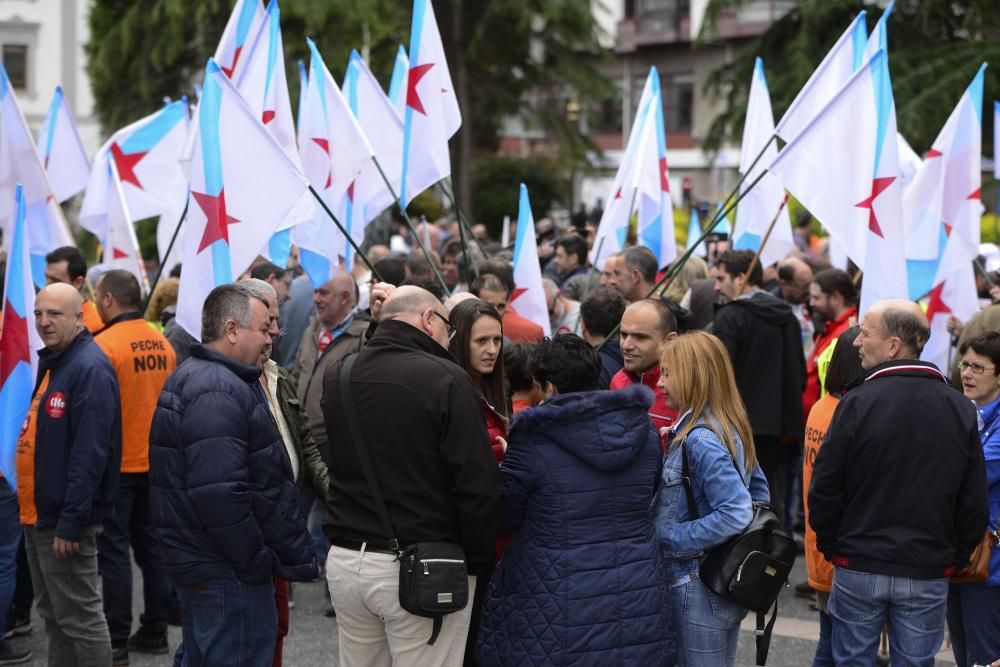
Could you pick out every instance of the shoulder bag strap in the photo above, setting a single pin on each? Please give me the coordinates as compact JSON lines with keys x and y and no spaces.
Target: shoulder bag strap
{"x":686,"y":478}
{"x":362,"y":450}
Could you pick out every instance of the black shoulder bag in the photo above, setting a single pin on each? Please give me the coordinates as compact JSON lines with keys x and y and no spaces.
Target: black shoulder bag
{"x":750,"y":569}
{"x":433,"y":579}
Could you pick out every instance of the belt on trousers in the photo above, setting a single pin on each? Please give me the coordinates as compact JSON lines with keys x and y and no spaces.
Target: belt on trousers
{"x":356,"y":545}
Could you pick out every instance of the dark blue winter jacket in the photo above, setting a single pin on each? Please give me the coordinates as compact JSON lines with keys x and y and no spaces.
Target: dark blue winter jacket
{"x":581,"y":583}
{"x":78,"y":439}
{"x":220,"y":482}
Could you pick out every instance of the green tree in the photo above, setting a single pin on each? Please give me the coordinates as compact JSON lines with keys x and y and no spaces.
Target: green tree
{"x":498,"y":52}
{"x":497,"y":179}
{"x":935,"y":47}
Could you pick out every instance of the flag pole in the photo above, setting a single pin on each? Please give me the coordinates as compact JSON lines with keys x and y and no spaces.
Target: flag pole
{"x":461,"y":216}
{"x":409,"y":225}
{"x":166,"y":255}
{"x":760,"y":249}
{"x":465,"y":251}
{"x":663,"y":283}
{"x":337,"y":222}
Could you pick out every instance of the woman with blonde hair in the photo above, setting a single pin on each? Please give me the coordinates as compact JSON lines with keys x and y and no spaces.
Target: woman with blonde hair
{"x":714,"y":434}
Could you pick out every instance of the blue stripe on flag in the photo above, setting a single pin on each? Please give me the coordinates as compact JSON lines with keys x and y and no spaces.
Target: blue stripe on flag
{"x":247,"y":12}
{"x":208,"y":125}
{"x":146,"y":137}
{"x":51,"y":120}
{"x":38,"y":263}
{"x":879,"y":66}
{"x":274,"y":29}
{"x":524,"y":220}
{"x":4,"y":82}
{"x":398,"y":72}
{"x":975,"y":91}
{"x":280,"y":246}
{"x":316,"y":267}
{"x":747,"y":241}
{"x":416,"y":32}
{"x":14,"y":292}
{"x":859,"y":40}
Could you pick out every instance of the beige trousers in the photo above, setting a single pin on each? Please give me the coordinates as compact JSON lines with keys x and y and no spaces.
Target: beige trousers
{"x":374,"y":631}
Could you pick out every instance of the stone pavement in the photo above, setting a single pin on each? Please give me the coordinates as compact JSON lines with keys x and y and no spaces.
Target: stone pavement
{"x":312,"y":640}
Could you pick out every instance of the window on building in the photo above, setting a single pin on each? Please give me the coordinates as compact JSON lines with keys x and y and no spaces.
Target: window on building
{"x":678,"y":102}
{"x":15,"y":61}
{"x":605,"y":115}
{"x":676,"y":7}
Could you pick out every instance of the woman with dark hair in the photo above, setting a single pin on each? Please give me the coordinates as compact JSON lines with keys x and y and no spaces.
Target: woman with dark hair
{"x":522,"y":389}
{"x":974,"y":609}
{"x":844,"y":368}
{"x":581,"y":581}
{"x":477,"y":345}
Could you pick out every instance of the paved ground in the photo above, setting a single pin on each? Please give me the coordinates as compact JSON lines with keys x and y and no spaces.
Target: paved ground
{"x":312,"y":640}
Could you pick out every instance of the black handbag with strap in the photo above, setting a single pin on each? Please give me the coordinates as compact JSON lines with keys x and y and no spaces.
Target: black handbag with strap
{"x":433,"y":578}
{"x":750,"y":569}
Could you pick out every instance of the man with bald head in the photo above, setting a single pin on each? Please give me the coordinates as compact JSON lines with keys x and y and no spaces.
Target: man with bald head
{"x":898,"y":495}
{"x":420,"y":419}
{"x":68,"y":456}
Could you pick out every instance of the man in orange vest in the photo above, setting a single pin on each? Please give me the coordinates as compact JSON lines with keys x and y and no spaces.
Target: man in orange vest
{"x":66,"y":265}
{"x":143,"y":360}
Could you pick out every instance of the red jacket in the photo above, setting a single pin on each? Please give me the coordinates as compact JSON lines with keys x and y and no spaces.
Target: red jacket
{"x":833,"y":329}
{"x":660,"y":412}
{"x":496,"y":426}
{"x":519,"y":329}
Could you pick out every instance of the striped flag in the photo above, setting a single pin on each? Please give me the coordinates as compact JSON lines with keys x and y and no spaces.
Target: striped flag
{"x":62,"y":151}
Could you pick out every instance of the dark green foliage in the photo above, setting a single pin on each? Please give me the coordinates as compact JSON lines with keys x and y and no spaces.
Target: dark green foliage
{"x":496,"y":188}
{"x":935,"y":48}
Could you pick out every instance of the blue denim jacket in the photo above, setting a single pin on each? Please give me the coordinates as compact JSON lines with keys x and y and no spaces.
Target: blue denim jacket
{"x":724,"y":497}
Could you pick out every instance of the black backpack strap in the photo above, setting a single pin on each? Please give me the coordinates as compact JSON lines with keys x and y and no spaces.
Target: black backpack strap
{"x":763,"y":633}
{"x":362,"y":450}
{"x":686,"y":478}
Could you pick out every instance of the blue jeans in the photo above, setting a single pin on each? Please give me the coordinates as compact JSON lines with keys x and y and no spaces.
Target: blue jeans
{"x":132,"y":524}
{"x":10,"y":539}
{"x":914,"y":610}
{"x":824,"y":647}
{"x":707,"y":627}
{"x":228,"y":623}
{"x":974,"y":623}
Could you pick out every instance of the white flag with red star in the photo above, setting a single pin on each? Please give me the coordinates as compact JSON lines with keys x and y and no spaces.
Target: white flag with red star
{"x":528,"y":297}
{"x":844,"y":167}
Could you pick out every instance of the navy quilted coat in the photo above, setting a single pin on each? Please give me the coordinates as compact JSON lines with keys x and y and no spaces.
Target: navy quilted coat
{"x":581,"y":583}
{"x":220,"y":482}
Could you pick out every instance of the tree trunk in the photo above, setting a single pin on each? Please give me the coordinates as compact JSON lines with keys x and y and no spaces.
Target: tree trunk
{"x":462,"y":165}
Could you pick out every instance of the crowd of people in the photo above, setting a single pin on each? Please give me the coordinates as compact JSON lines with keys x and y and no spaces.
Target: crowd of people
{"x":321,"y":432}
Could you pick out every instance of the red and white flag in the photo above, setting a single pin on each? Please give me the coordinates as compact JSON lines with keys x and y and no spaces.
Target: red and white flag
{"x":528,"y":297}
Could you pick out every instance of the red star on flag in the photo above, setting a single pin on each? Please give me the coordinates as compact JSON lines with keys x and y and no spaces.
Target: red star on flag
{"x":125,"y":164}
{"x":878,"y":186}
{"x":228,"y":71}
{"x":268,"y":116}
{"x":664,"y":183}
{"x":936,"y":305}
{"x":618,"y":195}
{"x":118,"y":253}
{"x":217,"y":224}
{"x":417,"y":72}
{"x":974,"y":195}
{"x":518,"y":291}
{"x":934,"y":153}
{"x":325,"y":145}
{"x":350,"y":191}
{"x":14,"y":345}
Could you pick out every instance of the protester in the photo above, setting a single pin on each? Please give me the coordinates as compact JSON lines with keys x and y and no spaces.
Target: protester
{"x":987,"y":319}
{"x":494,"y":285}
{"x":333,"y":333}
{"x":296,"y":313}
{"x":225,"y":506}
{"x":765,"y":346}
{"x":898,"y":494}
{"x":363,"y":275}
{"x":974,"y":609}
{"x":451,"y":254}
{"x":66,"y":265}
{"x":477,"y":345}
{"x":564,"y":313}
{"x":439,"y":485}
{"x":523,"y":391}
{"x":308,"y":468}
{"x":634,"y":274}
{"x":646,"y":325}
{"x":68,"y":457}
{"x":794,"y":277}
{"x":714,"y":434}
{"x":832,"y":297}
{"x":607,"y":278}
{"x":693,"y":269}
{"x":275,"y":276}
{"x":581,"y":582}
{"x":600,"y":314}
{"x":569,"y":263}
{"x":162,"y":302}
{"x":845,"y":368}
{"x":142,"y":360}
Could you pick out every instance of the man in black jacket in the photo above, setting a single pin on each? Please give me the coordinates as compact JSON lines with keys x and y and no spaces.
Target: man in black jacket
{"x":764,"y":341}
{"x":422,"y":423}
{"x":898,"y":495}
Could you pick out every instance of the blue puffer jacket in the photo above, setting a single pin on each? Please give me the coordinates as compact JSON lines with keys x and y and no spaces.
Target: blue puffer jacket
{"x":581,"y":583}
{"x":221,"y":487}
{"x":989,"y":432}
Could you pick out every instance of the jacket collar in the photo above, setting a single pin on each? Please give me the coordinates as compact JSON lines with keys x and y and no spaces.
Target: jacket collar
{"x":401,"y":334}
{"x":124,"y":317}
{"x":243,"y":371}
{"x":844,"y":316}
{"x":649,"y":377}
{"x":903,"y":367}
{"x":50,"y":360}
{"x":989,"y":414}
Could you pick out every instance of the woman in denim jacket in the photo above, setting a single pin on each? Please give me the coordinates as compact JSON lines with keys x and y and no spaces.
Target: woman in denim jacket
{"x":697,"y":379}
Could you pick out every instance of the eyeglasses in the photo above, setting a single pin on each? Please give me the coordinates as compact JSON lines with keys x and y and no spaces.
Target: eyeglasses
{"x":976,"y":368}
{"x":447,"y":322}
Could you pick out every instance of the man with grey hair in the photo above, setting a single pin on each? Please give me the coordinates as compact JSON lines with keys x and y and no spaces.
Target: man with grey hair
{"x":224,"y":499}
{"x":422,"y":424}
{"x":634,"y":273}
{"x":898,"y":495}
